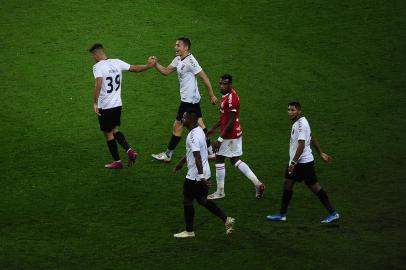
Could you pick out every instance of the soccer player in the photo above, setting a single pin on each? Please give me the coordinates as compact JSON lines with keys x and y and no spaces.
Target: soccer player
{"x":188,"y":68}
{"x":301,"y":165}
{"x":229,"y":144}
{"x":196,"y":185}
{"x":107,"y":101}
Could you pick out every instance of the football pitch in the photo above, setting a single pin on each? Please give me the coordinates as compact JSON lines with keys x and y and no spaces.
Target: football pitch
{"x":345,"y":61}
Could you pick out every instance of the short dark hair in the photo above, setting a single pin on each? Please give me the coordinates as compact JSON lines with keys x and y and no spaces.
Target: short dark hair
{"x":296,"y":104}
{"x":227,"y":77}
{"x":186,"y":41}
{"x":96,"y":46}
{"x":192,"y":115}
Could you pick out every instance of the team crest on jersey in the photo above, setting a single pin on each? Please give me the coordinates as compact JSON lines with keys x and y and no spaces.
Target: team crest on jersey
{"x":183,"y":66}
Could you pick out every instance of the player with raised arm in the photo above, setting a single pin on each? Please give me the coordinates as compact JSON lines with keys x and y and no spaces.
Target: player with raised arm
{"x":301,"y":165}
{"x":188,"y":69}
{"x":107,"y":101}
{"x":229,"y":144}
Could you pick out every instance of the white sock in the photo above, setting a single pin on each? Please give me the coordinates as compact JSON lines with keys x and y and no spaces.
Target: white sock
{"x":243,"y":167}
{"x":220,"y":175}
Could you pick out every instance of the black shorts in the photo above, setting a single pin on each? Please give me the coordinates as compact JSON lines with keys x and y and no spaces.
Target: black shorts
{"x":109,"y":119}
{"x":188,"y":107}
{"x":303,"y":172}
{"x":194,"y":190}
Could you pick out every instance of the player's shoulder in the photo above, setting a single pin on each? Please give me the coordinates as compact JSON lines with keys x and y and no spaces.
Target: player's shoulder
{"x":192,"y":59}
{"x":197,"y":132}
{"x":177,"y":58}
{"x":302,"y":122}
{"x":115,"y":61}
{"x":234,"y":93}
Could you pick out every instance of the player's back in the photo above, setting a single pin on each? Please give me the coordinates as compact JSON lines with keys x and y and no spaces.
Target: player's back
{"x":111,"y":72}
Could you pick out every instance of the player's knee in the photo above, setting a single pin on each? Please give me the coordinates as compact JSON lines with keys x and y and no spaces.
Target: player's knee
{"x":109,"y":135}
{"x":315,"y":187}
{"x":201,"y":123}
{"x":235,"y":162}
{"x":177,"y":128}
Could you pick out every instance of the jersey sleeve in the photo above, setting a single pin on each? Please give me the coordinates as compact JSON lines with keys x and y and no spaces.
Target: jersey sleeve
{"x":194,"y":65}
{"x":233,"y":103}
{"x":194,"y":143}
{"x":174,"y":62}
{"x":97,"y":71}
{"x":123,"y":65}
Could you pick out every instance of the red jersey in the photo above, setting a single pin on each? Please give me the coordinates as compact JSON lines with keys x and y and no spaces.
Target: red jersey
{"x":230,"y":103}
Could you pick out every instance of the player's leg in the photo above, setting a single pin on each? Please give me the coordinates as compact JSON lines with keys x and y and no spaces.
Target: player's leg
{"x":120,"y":138}
{"x":323,"y":197}
{"x":245,"y":169}
{"x":289,"y":182}
{"x":212,"y":207}
{"x":189,"y":188}
{"x":177,"y":129}
{"x":286,"y":197}
{"x":211,"y":154}
{"x":220,"y":176}
{"x":106,"y":126}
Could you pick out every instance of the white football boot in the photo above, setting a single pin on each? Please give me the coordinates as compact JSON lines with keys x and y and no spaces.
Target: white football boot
{"x":162,"y":157}
{"x":229,"y":225}
{"x":184,"y":234}
{"x":216,"y":195}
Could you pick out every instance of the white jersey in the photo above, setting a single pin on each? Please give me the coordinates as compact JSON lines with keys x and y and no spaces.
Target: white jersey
{"x":110,"y":71}
{"x":187,"y":70}
{"x":196,"y":141}
{"x":301,"y":131}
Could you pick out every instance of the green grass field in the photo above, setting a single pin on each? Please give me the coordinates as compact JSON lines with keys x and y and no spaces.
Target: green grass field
{"x":345,"y":62}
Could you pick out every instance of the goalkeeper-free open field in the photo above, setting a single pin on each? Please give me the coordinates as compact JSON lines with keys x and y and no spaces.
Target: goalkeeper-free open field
{"x":343,"y":60}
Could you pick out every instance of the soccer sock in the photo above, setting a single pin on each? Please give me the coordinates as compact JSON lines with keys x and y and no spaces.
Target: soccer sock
{"x":220,"y":175}
{"x":287,"y":195}
{"x":189,"y":213}
{"x":325,"y":201}
{"x":113,"y":149}
{"x":173,"y":143}
{"x":243,"y":167}
{"x":121,"y":140}
{"x":212,"y":207}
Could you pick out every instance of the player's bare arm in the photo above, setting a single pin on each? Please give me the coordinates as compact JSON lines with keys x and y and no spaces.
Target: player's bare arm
{"x":299,"y":152}
{"x":180,"y":164}
{"x":202,"y":75}
{"x":211,"y":131}
{"x":140,"y":68}
{"x":228,"y":128}
{"x":97,"y":88}
{"x":164,"y":70}
{"x":325,"y":157}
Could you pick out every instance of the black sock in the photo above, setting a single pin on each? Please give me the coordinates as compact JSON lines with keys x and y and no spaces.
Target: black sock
{"x":207,"y":140}
{"x":212,"y":207}
{"x":189,"y":213}
{"x":287,"y":195}
{"x":121,"y":140}
{"x":173,"y":142}
{"x":324,"y":200}
{"x":113,"y":149}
